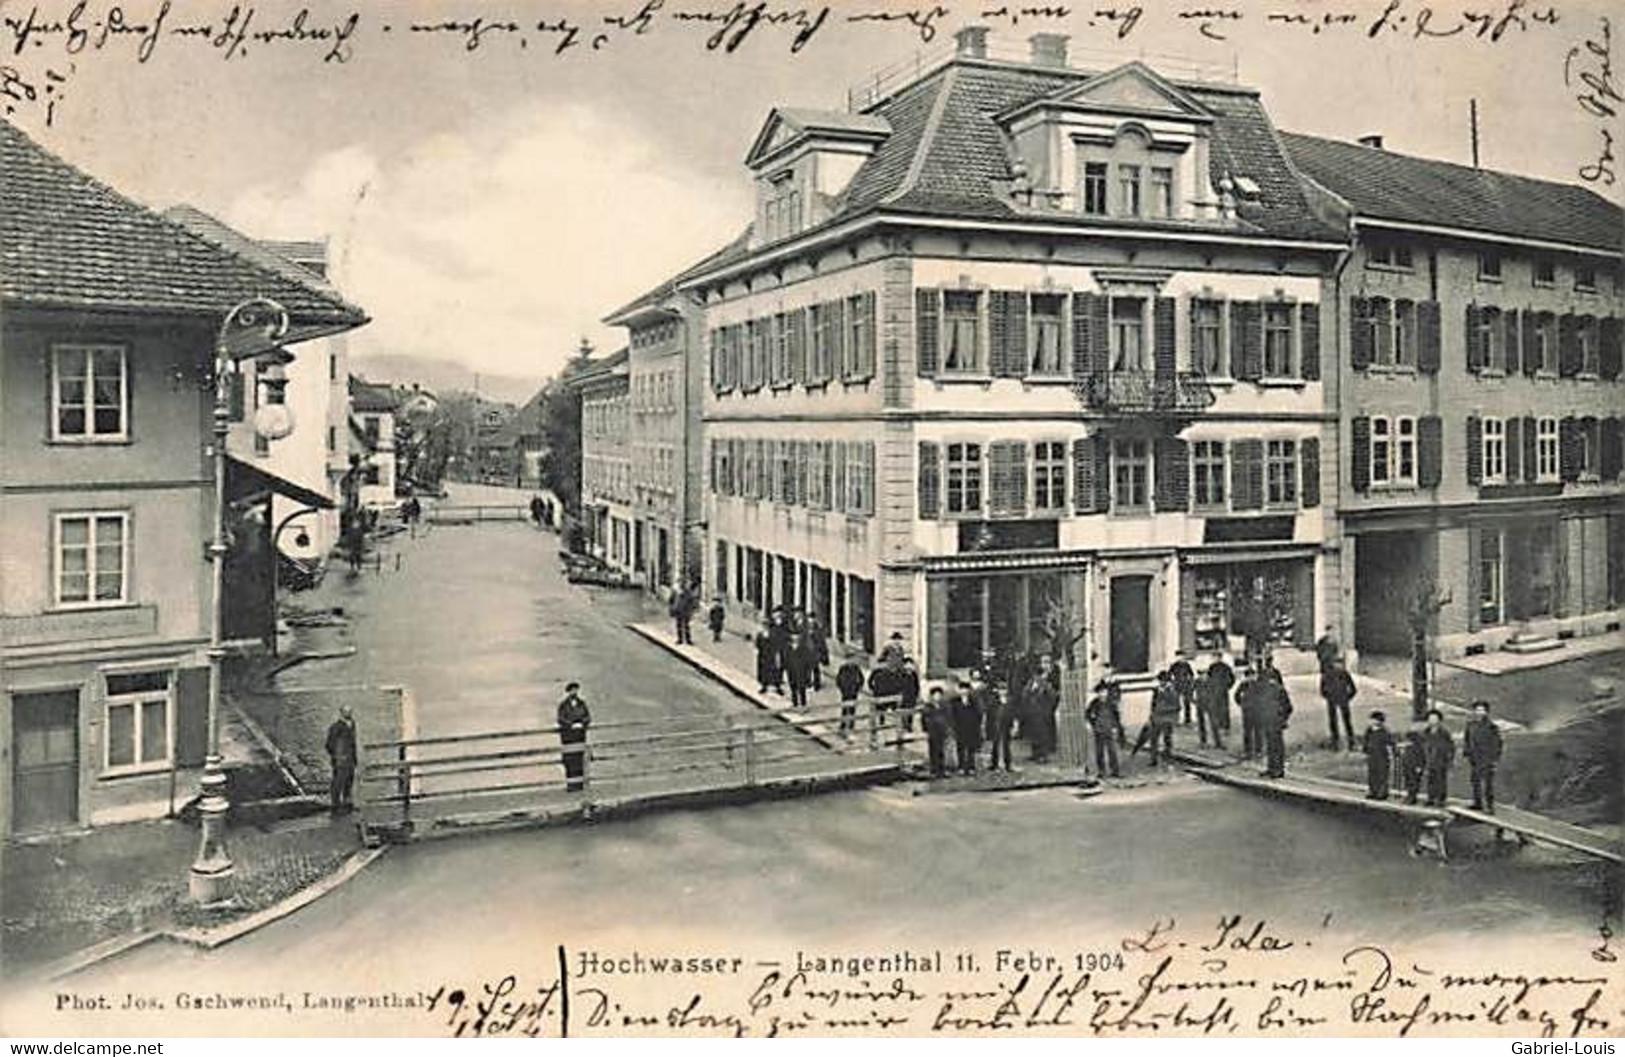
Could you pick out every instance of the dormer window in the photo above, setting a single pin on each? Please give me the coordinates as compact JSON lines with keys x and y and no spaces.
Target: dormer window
{"x":781,"y":209}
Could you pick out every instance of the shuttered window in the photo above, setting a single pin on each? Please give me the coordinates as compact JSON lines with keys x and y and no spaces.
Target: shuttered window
{"x":1209,"y":472}
{"x":930,"y":482}
{"x":1049,"y":476}
{"x":963,"y":472}
{"x":1281,"y":473}
{"x":1247,"y":474}
{"x":1173,"y":475}
{"x":1430,"y":451}
{"x":1007,"y":478}
{"x":1309,"y":454}
{"x":1131,"y":476}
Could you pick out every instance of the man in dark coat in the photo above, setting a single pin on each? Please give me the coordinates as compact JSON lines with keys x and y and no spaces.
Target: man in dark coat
{"x":1248,"y":696}
{"x":1337,"y":687}
{"x":798,"y":662}
{"x":1481,"y":742}
{"x":1213,"y":702}
{"x":819,"y":639}
{"x":1000,"y":719}
{"x":778,"y":634}
{"x":1275,"y":709}
{"x":907,"y":689}
{"x":1378,"y":745}
{"x":1104,"y":714}
{"x":967,"y":719}
{"x":1165,"y":704}
{"x":1043,"y":698}
{"x":716,"y":618}
{"x":935,"y":718}
{"x":1439,"y":750}
{"x":1183,"y":677}
{"x":341,"y":757}
{"x":849,"y":684}
{"x":767,"y":668}
{"x":574,"y":719}
{"x":682,"y":614}
{"x":1327,"y":650}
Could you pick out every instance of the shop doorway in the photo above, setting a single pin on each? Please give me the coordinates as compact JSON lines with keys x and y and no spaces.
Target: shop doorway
{"x":1131,"y":623}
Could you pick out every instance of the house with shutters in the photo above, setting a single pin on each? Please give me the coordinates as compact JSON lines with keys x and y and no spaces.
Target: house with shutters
{"x":606,"y":459}
{"x":1017,"y":345}
{"x":1477,"y":365}
{"x":109,"y":315}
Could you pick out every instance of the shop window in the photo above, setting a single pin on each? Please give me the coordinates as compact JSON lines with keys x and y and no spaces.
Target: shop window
{"x":1212,"y":616}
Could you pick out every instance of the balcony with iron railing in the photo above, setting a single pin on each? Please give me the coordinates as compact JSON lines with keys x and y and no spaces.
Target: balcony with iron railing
{"x":1145,"y":392}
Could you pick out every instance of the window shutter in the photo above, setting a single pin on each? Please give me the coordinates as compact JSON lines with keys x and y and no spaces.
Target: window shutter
{"x":1360,"y":351}
{"x":1173,"y":480}
{"x":1090,"y":340}
{"x":1007,"y":333}
{"x":1083,"y":476}
{"x":1247,"y":340}
{"x":927,"y":330}
{"x":798,"y":346}
{"x":1609,"y":355}
{"x":1309,"y":338}
{"x":1613,"y":448}
{"x":1187,"y":610}
{"x":1103,"y":474}
{"x":1475,"y":450}
{"x":1429,"y":451}
{"x":1429,"y":337}
{"x":1568,"y":346}
{"x":1309,"y":471}
{"x":1531,"y":359}
{"x":869,"y":477}
{"x":1475,"y":340}
{"x":1509,"y":319}
{"x":801,"y":473}
{"x":1568,"y":445}
{"x":716,"y":360}
{"x":191,"y":716}
{"x":1007,"y":478}
{"x":1514,"y":446}
{"x":837,"y":456}
{"x":236,"y":394}
{"x":1360,"y":454}
{"x":1247,"y":475}
{"x":930,"y":482}
{"x":1531,"y":454}
{"x":1163,"y":348}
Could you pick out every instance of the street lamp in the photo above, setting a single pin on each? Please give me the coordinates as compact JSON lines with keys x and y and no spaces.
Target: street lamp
{"x":250,"y":331}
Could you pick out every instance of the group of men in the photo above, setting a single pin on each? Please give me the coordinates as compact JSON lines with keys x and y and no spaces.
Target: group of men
{"x":1427,"y":754}
{"x":974,"y":711}
{"x":791,"y":649}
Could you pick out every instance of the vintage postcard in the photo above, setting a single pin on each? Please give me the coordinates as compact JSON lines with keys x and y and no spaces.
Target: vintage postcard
{"x":769,"y":519}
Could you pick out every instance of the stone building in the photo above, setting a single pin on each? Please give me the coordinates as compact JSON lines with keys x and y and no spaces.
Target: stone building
{"x":606,"y":460}
{"x":1020,"y":353}
{"x":1477,"y":331}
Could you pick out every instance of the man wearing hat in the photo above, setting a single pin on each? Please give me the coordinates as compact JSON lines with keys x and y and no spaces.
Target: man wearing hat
{"x":1104,"y":715}
{"x":574,"y":718}
{"x":1378,"y":745}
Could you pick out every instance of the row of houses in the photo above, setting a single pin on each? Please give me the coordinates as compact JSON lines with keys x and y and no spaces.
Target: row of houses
{"x":1019,"y":347}
{"x":109,"y":318}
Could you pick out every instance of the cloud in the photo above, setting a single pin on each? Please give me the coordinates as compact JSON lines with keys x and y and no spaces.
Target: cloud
{"x":501,"y":244}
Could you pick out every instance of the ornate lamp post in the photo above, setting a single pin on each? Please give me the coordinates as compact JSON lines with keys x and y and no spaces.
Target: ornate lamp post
{"x":250,"y":330}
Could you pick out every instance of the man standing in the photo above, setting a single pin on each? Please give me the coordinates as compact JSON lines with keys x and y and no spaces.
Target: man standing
{"x":1043,"y":697}
{"x":1213,"y":700}
{"x":1439,"y":752}
{"x":934,"y":718}
{"x":907,"y":688}
{"x":341,"y":757}
{"x":1378,"y":745}
{"x":1327,"y":650}
{"x":967,"y":717}
{"x":999,"y":721}
{"x":1275,"y":709}
{"x":767,"y":673}
{"x":682,"y":612}
{"x":820,"y":645}
{"x":1413,"y":764}
{"x":1183,"y":677}
{"x":797,"y":673}
{"x":574,"y":718}
{"x":778,"y":634}
{"x":849,"y":684}
{"x":1164,"y":717}
{"x":715,"y":619}
{"x":1337,"y":687}
{"x":1104,"y":715}
{"x":1482,"y":743}
{"x":1247,"y":696}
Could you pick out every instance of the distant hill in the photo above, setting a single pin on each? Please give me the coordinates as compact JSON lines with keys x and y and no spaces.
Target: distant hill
{"x":443,"y":376}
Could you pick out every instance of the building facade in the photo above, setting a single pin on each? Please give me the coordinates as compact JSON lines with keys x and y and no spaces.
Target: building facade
{"x":1478,"y":343}
{"x":372,"y":440}
{"x":665,"y":376}
{"x":107,"y":490}
{"x":1025,"y":358}
{"x":606,"y":461}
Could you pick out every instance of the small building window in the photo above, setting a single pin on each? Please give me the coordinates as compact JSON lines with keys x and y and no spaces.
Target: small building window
{"x":1048,"y":334}
{"x":1547,"y":464}
{"x":1128,"y":334}
{"x":962,"y":331}
{"x":1094,"y":188}
{"x":1494,"y":450}
{"x":963,"y":494}
{"x":1489,"y":265}
{"x":1162,"y":191}
{"x":1129,"y":191}
{"x":1404,"y":333}
{"x":1278,"y":340}
{"x":1207,"y":338}
{"x":1389,"y":255}
{"x":89,"y":387}
{"x":1208,"y":476}
{"x":92,"y":553}
{"x":1049,"y":476}
{"x":1545,"y":271}
{"x":1382,"y":448}
{"x":1585,"y":277}
{"x":1131,"y":474}
{"x":1281,"y":473}
{"x":138,"y":722}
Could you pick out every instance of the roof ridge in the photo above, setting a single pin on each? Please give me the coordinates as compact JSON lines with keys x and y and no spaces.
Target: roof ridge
{"x":928,"y":135}
{"x":1474,"y":170}
{"x":86,"y":179}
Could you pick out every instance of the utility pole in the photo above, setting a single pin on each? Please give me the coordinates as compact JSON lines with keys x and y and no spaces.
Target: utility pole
{"x":1472,"y":111}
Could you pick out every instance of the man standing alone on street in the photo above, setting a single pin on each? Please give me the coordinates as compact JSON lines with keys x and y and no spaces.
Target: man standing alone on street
{"x":1482,"y":743}
{"x":1337,"y":687}
{"x":716,"y":618}
{"x":683,"y":605}
{"x":1378,"y":745}
{"x":341,"y":756}
{"x":574,"y":718}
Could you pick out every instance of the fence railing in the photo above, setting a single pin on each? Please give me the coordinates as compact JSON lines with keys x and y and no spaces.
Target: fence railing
{"x":478,"y":512}
{"x":407,"y":782}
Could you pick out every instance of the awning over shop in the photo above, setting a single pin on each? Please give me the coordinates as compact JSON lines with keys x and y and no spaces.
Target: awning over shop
{"x":1248,"y":553}
{"x":245,"y":479}
{"x":1008,"y":560}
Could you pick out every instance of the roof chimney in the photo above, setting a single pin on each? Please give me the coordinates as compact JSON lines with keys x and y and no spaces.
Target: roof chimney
{"x":1373,"y":140}
{"x":1049,"y":49}
{"x":971,"y":42}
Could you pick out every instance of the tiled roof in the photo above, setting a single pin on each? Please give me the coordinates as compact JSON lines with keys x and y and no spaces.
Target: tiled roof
{"x":1382,"y":184}
{"x":370,"y":397}
{"x":665,"y":289}
{"x":69,"y":241}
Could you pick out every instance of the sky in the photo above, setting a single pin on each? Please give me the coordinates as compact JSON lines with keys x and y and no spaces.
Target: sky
{"x":491,"y":205}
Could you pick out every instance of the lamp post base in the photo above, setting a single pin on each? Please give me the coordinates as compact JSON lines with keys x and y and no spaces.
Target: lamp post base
{"x":212,"y":870}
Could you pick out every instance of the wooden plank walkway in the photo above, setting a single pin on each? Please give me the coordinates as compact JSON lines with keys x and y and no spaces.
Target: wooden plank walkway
{"x":1545,"y":829}
{"x":1324,"y":791}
